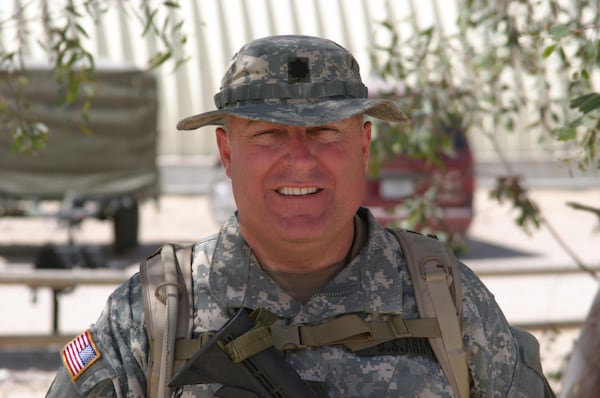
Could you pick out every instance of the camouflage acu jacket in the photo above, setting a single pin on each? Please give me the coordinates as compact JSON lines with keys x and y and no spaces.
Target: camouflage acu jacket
{"x":227,"y":277}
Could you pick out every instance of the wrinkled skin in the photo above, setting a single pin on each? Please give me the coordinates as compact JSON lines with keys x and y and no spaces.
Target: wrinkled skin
{"x":296,"y":187}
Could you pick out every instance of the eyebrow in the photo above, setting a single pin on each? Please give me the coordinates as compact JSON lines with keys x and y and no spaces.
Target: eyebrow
{"x":322,"y":127}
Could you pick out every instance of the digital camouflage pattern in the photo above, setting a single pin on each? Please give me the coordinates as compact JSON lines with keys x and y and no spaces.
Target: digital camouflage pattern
{"x":373,"y":284}
{"x":293,"y":80}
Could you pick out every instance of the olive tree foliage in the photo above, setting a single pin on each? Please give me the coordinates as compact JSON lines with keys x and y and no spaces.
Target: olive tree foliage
{"x":504,"y":67}
{"x":60,"y":30}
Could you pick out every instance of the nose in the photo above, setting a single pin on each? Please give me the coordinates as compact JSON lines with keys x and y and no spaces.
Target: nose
{"x":299,"y":151}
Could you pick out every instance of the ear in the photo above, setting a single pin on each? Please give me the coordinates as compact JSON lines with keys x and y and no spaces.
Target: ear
{"x":224,"y":149}
{"x":366,"y":142}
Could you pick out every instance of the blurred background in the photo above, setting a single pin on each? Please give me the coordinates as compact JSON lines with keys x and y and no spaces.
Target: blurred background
{"x":500,"y":158}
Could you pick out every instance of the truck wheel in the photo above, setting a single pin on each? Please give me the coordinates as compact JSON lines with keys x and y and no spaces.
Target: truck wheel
{"x":126,"y":223}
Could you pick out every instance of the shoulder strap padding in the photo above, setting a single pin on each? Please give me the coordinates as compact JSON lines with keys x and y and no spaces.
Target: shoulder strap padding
{"x":167,"y":268}
{"x":437,"y":286}
{"x":152,"y":272}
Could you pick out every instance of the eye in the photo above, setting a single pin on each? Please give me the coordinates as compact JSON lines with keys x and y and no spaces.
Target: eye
{"x":266,"y":137}
{"x":325,"y":134}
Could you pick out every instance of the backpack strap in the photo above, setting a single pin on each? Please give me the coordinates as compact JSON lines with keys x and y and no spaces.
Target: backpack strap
{"x":168,"y":311}
{"x":436,"y":280}
{"x":348,"y":330}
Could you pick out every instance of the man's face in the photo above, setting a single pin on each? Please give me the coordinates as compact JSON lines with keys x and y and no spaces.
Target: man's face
{"x":292,"y":183}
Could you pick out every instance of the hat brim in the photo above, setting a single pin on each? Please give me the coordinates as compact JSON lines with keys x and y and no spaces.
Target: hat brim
{"x":300,"y":113}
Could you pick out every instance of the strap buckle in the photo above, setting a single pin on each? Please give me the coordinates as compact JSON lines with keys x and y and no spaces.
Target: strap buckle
{"x":287,"y":337}
{"x":399,"y":326}
{"x":434,"y":270}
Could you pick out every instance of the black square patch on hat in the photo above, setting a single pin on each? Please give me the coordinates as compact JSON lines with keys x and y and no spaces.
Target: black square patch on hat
{"x":298,"y":71}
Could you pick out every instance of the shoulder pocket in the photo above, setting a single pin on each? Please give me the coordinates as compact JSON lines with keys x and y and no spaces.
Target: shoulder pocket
{"x":98,"y":378}
{"x":529,"y":380}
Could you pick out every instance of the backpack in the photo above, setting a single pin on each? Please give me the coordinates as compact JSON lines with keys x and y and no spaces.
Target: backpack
{"x":433,"y":268}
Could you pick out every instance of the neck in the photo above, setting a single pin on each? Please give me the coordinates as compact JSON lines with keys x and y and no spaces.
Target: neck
{"x":302,"y":257}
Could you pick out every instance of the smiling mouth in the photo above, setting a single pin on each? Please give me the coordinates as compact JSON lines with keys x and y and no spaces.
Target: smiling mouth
{"x":290,"y":191}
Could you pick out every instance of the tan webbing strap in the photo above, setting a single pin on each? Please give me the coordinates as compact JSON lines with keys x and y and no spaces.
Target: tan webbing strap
{"x":252,"y":342}
{"x":167,"y":296}
{"x":185,"y":348}
{"x":433,"y":268}
{"x":449,"y":326}
{"x":170,"y":290}
{"x":349,"y":330}
{"x":185,"y":313}
{"x":353,"y":332}
{"x":343,"y":328}
{"x":151,"y":271}
{"x":395,"y":328}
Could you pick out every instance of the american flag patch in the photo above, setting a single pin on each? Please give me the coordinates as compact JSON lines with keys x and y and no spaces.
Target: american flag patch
{"x":79,"y":354}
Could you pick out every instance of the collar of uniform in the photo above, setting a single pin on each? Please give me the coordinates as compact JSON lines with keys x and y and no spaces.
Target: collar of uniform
{"x":383,"y":269}
{"x":229,"y":268}
{"x":371,"y":283}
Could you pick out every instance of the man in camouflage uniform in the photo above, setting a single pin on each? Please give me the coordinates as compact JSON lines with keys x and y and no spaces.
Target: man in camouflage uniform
{"x":293,"y":139}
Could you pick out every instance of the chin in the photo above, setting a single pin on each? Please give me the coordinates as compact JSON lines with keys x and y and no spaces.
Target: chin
{"x":302,"y":229}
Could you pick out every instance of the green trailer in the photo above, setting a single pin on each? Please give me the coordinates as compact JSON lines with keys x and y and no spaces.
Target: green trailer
{"x":104,"y":170}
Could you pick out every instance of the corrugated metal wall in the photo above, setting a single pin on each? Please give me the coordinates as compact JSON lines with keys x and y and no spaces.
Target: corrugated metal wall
{"x":216,"y":29}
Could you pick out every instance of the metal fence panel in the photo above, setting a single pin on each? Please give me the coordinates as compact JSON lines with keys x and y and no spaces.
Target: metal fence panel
{"x":216,"y":29}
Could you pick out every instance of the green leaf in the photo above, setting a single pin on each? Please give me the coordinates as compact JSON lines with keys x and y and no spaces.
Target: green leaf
{"x":548,"y":50}
{"x":585,"y":74}
{"x":563,"y":57}
{"x":559,"y":31}
{"x":149,"y":22}
{"x":586,"y":103}
{"x":576,"y":123}
{"x":158,"y":59}
{"x":590,"y":51}
{"x":81,"y":30}
{"x":565,"y":133}
{"x":73,"y":11}
{"x":73,"y":90}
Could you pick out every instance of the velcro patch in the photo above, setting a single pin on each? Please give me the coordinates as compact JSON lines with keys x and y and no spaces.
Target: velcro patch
{"x":79,"y":354}
{"x":404,"y":346}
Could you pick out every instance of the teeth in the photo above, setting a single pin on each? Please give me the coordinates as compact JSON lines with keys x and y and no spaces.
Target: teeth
{"x":297,"y":191}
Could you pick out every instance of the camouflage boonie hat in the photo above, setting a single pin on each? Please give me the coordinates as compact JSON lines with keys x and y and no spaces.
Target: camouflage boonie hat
{"x":293,"y":80}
